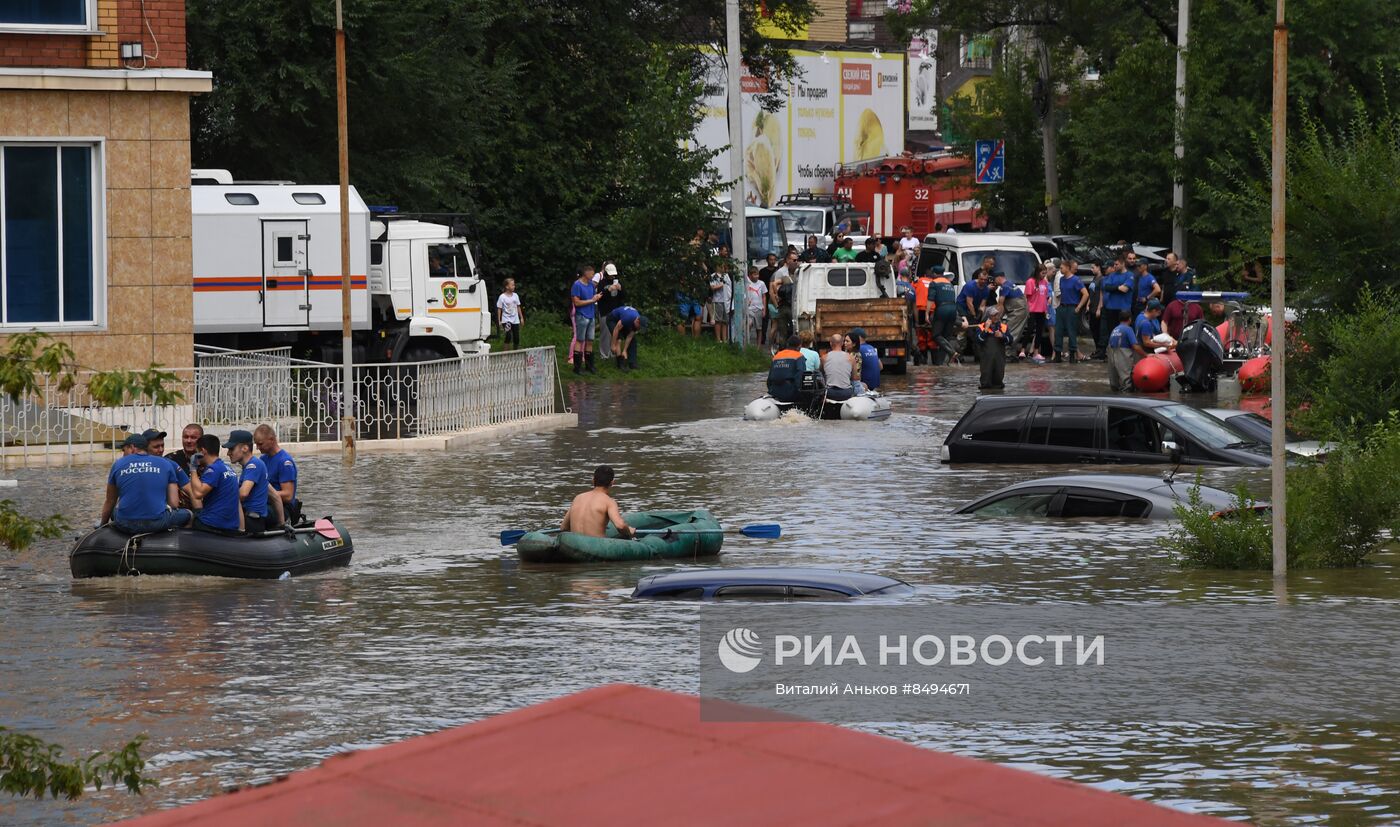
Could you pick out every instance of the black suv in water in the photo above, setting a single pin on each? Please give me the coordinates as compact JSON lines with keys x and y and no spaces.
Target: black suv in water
{"x":1095,"y":430}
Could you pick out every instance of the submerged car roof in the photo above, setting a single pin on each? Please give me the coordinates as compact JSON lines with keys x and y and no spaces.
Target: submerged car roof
{"x":851,"y":582}
{"x":1119,"y":482}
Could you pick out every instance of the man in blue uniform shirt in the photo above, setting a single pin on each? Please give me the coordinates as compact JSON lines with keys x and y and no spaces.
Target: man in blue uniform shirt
{"x":155,"y":447}
{"x":141,"y":492}
{"x":1124,"y":351}
{"x":281,"y":472}
{"x":216,"y":485}
{"x":1148,"y":327}
{"x":253,"y":488}
{"x":1073,"y":299}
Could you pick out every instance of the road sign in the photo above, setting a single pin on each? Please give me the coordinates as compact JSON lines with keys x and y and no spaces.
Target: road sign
{"x":991,"y":162}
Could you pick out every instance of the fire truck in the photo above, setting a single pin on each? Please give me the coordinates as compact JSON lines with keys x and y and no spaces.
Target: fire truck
{"x":915,"y":191}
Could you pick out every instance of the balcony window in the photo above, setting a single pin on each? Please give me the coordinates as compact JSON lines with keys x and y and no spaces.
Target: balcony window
{"x":975,"y":52}
{"x":48,"y":15}
{"x":50,"y":236}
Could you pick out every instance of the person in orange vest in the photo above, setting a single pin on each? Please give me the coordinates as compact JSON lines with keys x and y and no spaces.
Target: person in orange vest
{"x":786,"y":370}
{"x":992,"y":337}
{"x":923,"y":320}
{"x":943,"y":313}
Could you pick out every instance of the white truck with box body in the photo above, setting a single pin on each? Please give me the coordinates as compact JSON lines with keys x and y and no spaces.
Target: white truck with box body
{"x":267,"y":273}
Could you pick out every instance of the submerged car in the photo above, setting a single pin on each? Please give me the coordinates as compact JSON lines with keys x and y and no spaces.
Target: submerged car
{"x":760,"y":583}
{"x":1094,"y":495}
{"x":1095,"y":430}
{"x":1251,"y":425}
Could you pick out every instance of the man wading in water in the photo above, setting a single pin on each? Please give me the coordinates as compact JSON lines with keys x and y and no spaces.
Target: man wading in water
{"x":591,"y":511}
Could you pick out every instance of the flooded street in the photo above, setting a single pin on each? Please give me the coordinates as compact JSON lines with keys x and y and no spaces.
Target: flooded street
{"x":434,"y":624}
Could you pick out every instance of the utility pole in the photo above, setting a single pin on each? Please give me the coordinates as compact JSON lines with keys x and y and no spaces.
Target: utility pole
{"x":1048,"y":138}
{"x":1183,"y":26}
{"x":739,"y":245}
{"x":342,"y":125}
{"x":1279,"y":493}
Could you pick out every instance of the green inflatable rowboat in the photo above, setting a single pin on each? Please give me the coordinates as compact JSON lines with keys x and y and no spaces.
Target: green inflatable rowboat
{"x":681,"y":534}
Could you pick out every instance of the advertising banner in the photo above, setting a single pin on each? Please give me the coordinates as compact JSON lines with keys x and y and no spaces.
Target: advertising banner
{"x":923,"y":103}
{"x":844,"y":107}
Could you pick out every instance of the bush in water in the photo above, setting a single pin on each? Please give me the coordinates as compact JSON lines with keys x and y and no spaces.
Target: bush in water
{"x":1339,"y":512}
{"x":29,"y":766}
{"x":1347,"y":376}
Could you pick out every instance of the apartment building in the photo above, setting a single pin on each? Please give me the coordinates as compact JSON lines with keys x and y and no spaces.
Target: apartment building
{"x":94,"y":177}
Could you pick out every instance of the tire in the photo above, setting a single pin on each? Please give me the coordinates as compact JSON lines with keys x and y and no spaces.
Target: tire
{"x":900,"y":368}
{"x":421,"y":354}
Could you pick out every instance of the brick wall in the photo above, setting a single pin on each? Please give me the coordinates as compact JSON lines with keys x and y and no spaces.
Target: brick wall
{"x":120,"y":21}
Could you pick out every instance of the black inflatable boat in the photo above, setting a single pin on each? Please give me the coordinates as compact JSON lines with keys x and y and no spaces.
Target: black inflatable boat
{"x":105,"y":552}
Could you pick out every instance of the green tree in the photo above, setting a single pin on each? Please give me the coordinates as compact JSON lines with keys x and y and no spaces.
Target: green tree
{"x":1343,"y":218}
{"x":523,"y":115}
{"x":28,"y":765}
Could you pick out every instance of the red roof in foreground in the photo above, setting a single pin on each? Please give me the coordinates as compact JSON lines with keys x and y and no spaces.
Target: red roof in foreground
{"x":624,"y":754}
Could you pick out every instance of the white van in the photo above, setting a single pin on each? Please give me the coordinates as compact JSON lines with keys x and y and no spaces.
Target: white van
{"x":962,"y":253}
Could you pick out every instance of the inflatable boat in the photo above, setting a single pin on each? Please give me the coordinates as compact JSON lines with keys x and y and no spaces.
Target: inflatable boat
{"x":105,"y":552}
{"x":867,"y":406}
{"x":671,"y":535}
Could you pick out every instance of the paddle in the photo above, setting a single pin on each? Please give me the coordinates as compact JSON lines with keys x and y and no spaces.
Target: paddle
{"x":765,"y":531}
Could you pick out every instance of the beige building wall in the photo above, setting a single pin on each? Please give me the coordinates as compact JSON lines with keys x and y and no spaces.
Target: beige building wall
{"x":828,"y":22}
{"x":149,"y":296}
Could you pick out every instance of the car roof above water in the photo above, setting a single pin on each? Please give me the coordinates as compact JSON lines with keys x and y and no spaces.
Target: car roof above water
{"x":1121,"y":401}
{"x":850,"y":582}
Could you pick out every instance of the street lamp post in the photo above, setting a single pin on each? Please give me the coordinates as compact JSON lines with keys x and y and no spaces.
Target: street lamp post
{"x":739,"y":246}
{"x":342,"y":121}
{"x":1276,"y":260}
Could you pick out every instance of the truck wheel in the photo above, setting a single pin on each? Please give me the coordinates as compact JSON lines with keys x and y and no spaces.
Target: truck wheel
{"x":421,"y":354}
{"x":900,"y":368}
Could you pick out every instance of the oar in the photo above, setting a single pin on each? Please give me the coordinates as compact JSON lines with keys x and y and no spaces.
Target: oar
{"x":765,"y":531}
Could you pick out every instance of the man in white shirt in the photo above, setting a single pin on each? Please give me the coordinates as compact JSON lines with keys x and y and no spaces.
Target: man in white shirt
{"x":908,"y":242}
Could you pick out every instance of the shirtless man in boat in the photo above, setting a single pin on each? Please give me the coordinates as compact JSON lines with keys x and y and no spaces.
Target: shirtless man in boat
{"x":591,"y":511}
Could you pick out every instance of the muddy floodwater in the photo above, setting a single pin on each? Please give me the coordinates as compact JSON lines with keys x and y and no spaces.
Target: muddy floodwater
{"x":433,"y":625}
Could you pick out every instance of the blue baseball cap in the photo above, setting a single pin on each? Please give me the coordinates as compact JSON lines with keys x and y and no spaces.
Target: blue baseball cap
{"x":137,"y":440}
{"x":239,"y":438}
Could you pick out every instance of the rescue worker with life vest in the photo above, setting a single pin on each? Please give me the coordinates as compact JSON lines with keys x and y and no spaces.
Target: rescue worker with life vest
{"x":923,"y":319}
{"x":991,"y":341}
{"x":943,"y":302}
{"x":789,"y":379}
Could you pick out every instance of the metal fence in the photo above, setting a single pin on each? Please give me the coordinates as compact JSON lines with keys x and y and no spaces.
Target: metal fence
{"x":302,"y":400}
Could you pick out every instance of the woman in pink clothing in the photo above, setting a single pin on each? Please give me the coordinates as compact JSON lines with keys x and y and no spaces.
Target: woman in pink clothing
{"x":1038,"y":289}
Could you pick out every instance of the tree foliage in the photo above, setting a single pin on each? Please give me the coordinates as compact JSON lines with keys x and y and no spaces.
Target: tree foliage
{"x":1342,"y":213}
{"x":1117,"y":131}
{"x":1339,"y":512}
{"x":561,"y":128}
{"x":31,"y":767}
{"x":1346,"y":381}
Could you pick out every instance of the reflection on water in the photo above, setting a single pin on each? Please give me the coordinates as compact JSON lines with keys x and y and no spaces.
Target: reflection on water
{"x":433,"y":625}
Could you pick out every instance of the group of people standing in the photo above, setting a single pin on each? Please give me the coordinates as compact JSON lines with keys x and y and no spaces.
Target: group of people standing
{"x":598,"y":310}
{"x":149,"y":491}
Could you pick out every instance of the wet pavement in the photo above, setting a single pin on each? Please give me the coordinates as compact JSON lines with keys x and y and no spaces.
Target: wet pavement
{"x":433,"y":625}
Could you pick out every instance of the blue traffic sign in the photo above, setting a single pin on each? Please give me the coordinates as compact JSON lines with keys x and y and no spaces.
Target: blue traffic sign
{"x":991,"y":162}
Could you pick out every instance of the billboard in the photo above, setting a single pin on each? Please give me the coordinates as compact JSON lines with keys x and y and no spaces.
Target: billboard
{"x":843,"y":107}
{"x":923,"y":103}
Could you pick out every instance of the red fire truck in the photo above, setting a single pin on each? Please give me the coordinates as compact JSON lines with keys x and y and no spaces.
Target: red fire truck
{"x":913,"y":191}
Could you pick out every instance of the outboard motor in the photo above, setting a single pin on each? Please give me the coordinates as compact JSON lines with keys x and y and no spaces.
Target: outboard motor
{"x":811,"y":394}
{"x":1202,"y":357}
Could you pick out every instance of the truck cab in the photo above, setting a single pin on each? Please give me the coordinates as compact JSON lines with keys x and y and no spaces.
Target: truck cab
{"x":834,"y":298}
{"x":806,"y":214}
{"x":423,"y":276}
{"x":962,"y":253}
{"x":763,"y":227}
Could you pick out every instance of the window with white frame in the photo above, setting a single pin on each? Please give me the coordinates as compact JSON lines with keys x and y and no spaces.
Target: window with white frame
{"x":48,"y":15}
{"x":51,"y":245}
